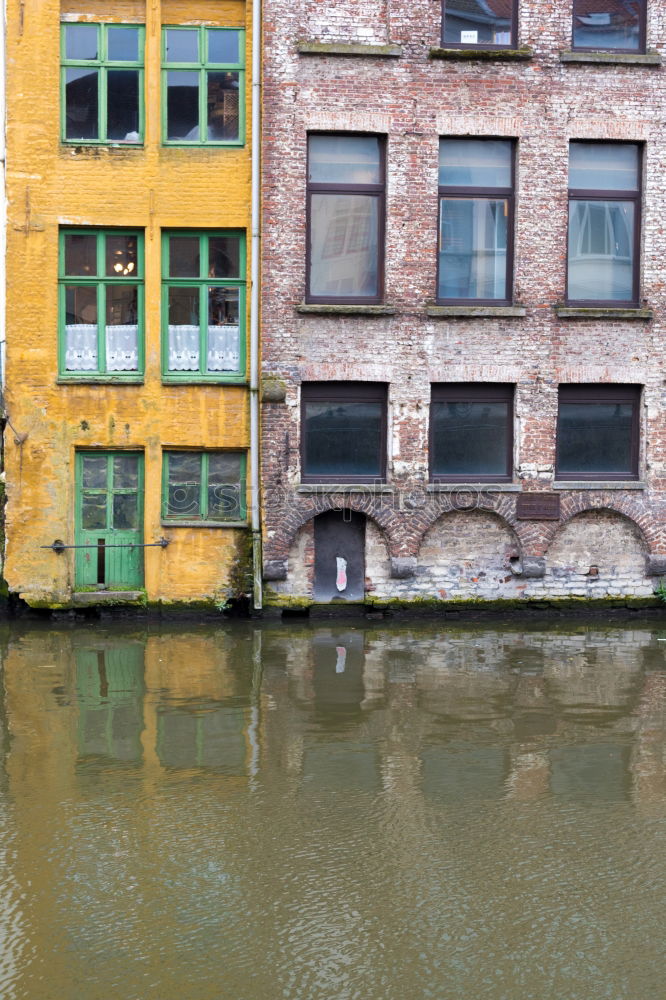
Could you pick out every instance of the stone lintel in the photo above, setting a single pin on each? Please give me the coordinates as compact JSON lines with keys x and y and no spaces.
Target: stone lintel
{"x":470,"y":55}
{"x":403,"y":567}
{"x":347,"y":49}
{"x":651,"y":58}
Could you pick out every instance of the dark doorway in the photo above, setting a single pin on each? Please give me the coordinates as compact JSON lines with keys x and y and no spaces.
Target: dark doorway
{"x":339,"y":537}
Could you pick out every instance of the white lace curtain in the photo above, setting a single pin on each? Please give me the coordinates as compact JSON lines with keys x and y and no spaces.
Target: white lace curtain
{"x":223,"y":348}
{"x":122,"y":348}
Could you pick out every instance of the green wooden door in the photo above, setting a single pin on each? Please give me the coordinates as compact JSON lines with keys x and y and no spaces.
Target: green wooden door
{"x":109,"y":520}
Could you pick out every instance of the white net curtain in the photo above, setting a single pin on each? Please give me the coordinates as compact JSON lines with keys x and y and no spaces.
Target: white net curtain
{"x":122,"y":348}
{"x":223,"y":348}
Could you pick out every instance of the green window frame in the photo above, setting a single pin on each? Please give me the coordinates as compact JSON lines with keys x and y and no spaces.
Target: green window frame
{"x":204,"y":487}
{"x":100,"y":276}
{"x":111,"y":71}
{"x":202,"y":59}
{"x":203,"y":306}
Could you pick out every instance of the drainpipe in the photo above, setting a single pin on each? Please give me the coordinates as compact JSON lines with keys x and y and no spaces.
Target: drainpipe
{"x":255,"y":500}
{"x":3,"y":201}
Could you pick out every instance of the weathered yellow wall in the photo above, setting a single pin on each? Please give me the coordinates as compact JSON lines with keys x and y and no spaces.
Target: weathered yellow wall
{"x":50,"y":185}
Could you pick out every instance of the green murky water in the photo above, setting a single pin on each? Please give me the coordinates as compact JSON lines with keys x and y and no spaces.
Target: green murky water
{"x":327,"y":813}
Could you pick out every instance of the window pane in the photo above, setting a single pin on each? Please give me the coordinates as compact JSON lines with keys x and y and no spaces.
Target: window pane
{"x":224,"y":257}
{"x":184,"y":329}
{"x":223,"y":120}
{"x":81,"y":41}
{"x":182,"y":45}
{"x":94,"y":472}
{"x":121,"y":256}
{"x":223,"y":330}
{"x":184,"y":485}
{"x":470,"y":438}
{"x":472,"y":248}
{"x":80,"y":328}
{"x":81,"y":118}
{"x":81,"y":254}
{"x":184,"y":257}
{"x":337,"y":159}
{"x":122,"y":330}
{"x":344,"y":236}
{"x":475,"y":162}
{"x":224,"y":487}
{"x":183,"y":105}
{"x":93,"y":511}
{"x":601,"y":251}
{"x":594,"y":438}
{"x":600,"y":25}
{"x":122,"y":44}
{"x":477,"y":23}
{"x":603,"y":166}
{"x":223,"y":46}
{"x":125,"y":472}
{"x":343,"y":439}
{"x":126,"y":511}
{"x":122,"y":92}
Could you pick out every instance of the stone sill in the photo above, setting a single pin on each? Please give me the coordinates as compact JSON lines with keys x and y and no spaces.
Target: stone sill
{"x":99,"y":380}
{"x":344,"y":309}
{"x":613,"y":58}
{"x":610,"y":484}
{"x":602,"y":312}
{"x":479,"y":312}
{"x":93,"y":597}
{"x":492,"y":487}
{"x":467,"y":55}
{"x":347,"y":49}
{"x":204,"y":524}
{"x":323,"y":488}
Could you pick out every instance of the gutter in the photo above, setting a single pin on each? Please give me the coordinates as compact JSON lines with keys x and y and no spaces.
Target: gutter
{"x":255,"y":495}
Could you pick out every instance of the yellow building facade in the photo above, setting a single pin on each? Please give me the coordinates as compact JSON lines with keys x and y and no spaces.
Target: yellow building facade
{"x":128,"y":300}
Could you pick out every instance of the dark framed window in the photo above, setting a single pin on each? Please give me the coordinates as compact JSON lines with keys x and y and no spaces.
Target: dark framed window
{"x":598,"y":432}
{"x":203,"y":306}
{"x":203,"y":83}
{"x":479,"y":24}
{"x":345,"y":218}
{"x":471,"y":432}
{"x":203,"y":486}
{"x":102,"y":83}
{"x":604,"y":223}
{"x":101,"y":304}
{"x":476,"y":200}
{"x":343,"y":432}
{"x":609,"y":27}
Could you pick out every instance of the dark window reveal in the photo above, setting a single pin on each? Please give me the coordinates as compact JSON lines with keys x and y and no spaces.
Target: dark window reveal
{"x":609,"y":25}
{"x":475,"y":220}
{"x":604,"y":223}
{"x":597,"y":432}
{"x":343,"y":431}
{"x":485,"y":24}
{"x":345,"y":218}
{"x":471,"y":432}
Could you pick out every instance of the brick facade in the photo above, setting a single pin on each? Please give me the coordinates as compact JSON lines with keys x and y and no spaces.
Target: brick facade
{"x":436,"y":543}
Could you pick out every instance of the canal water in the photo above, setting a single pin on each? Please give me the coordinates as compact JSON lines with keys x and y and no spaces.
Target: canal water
{"x":328,"y":812}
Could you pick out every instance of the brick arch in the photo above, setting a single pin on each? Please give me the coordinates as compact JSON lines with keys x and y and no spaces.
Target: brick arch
{"x":632,"y":510}
{"x":302,"y":510}
{"x":503,"y":511}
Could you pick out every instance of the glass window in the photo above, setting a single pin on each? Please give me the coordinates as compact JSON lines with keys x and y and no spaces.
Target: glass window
{"x":102,"y":83}
{"x":204,"y":306}
{"x":475,"y":220}
{"x":203,"y":85}
{"x":471,"y":432}
{"x":604,"y":218}
{"x":343,"y":431}
{"x":204,"y":486}
{"x":597,"y":432}
{"x":476,"y":23}
{"x":101,"y":303}
{"x":345,"y":218}
{"x":615,"y":27}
